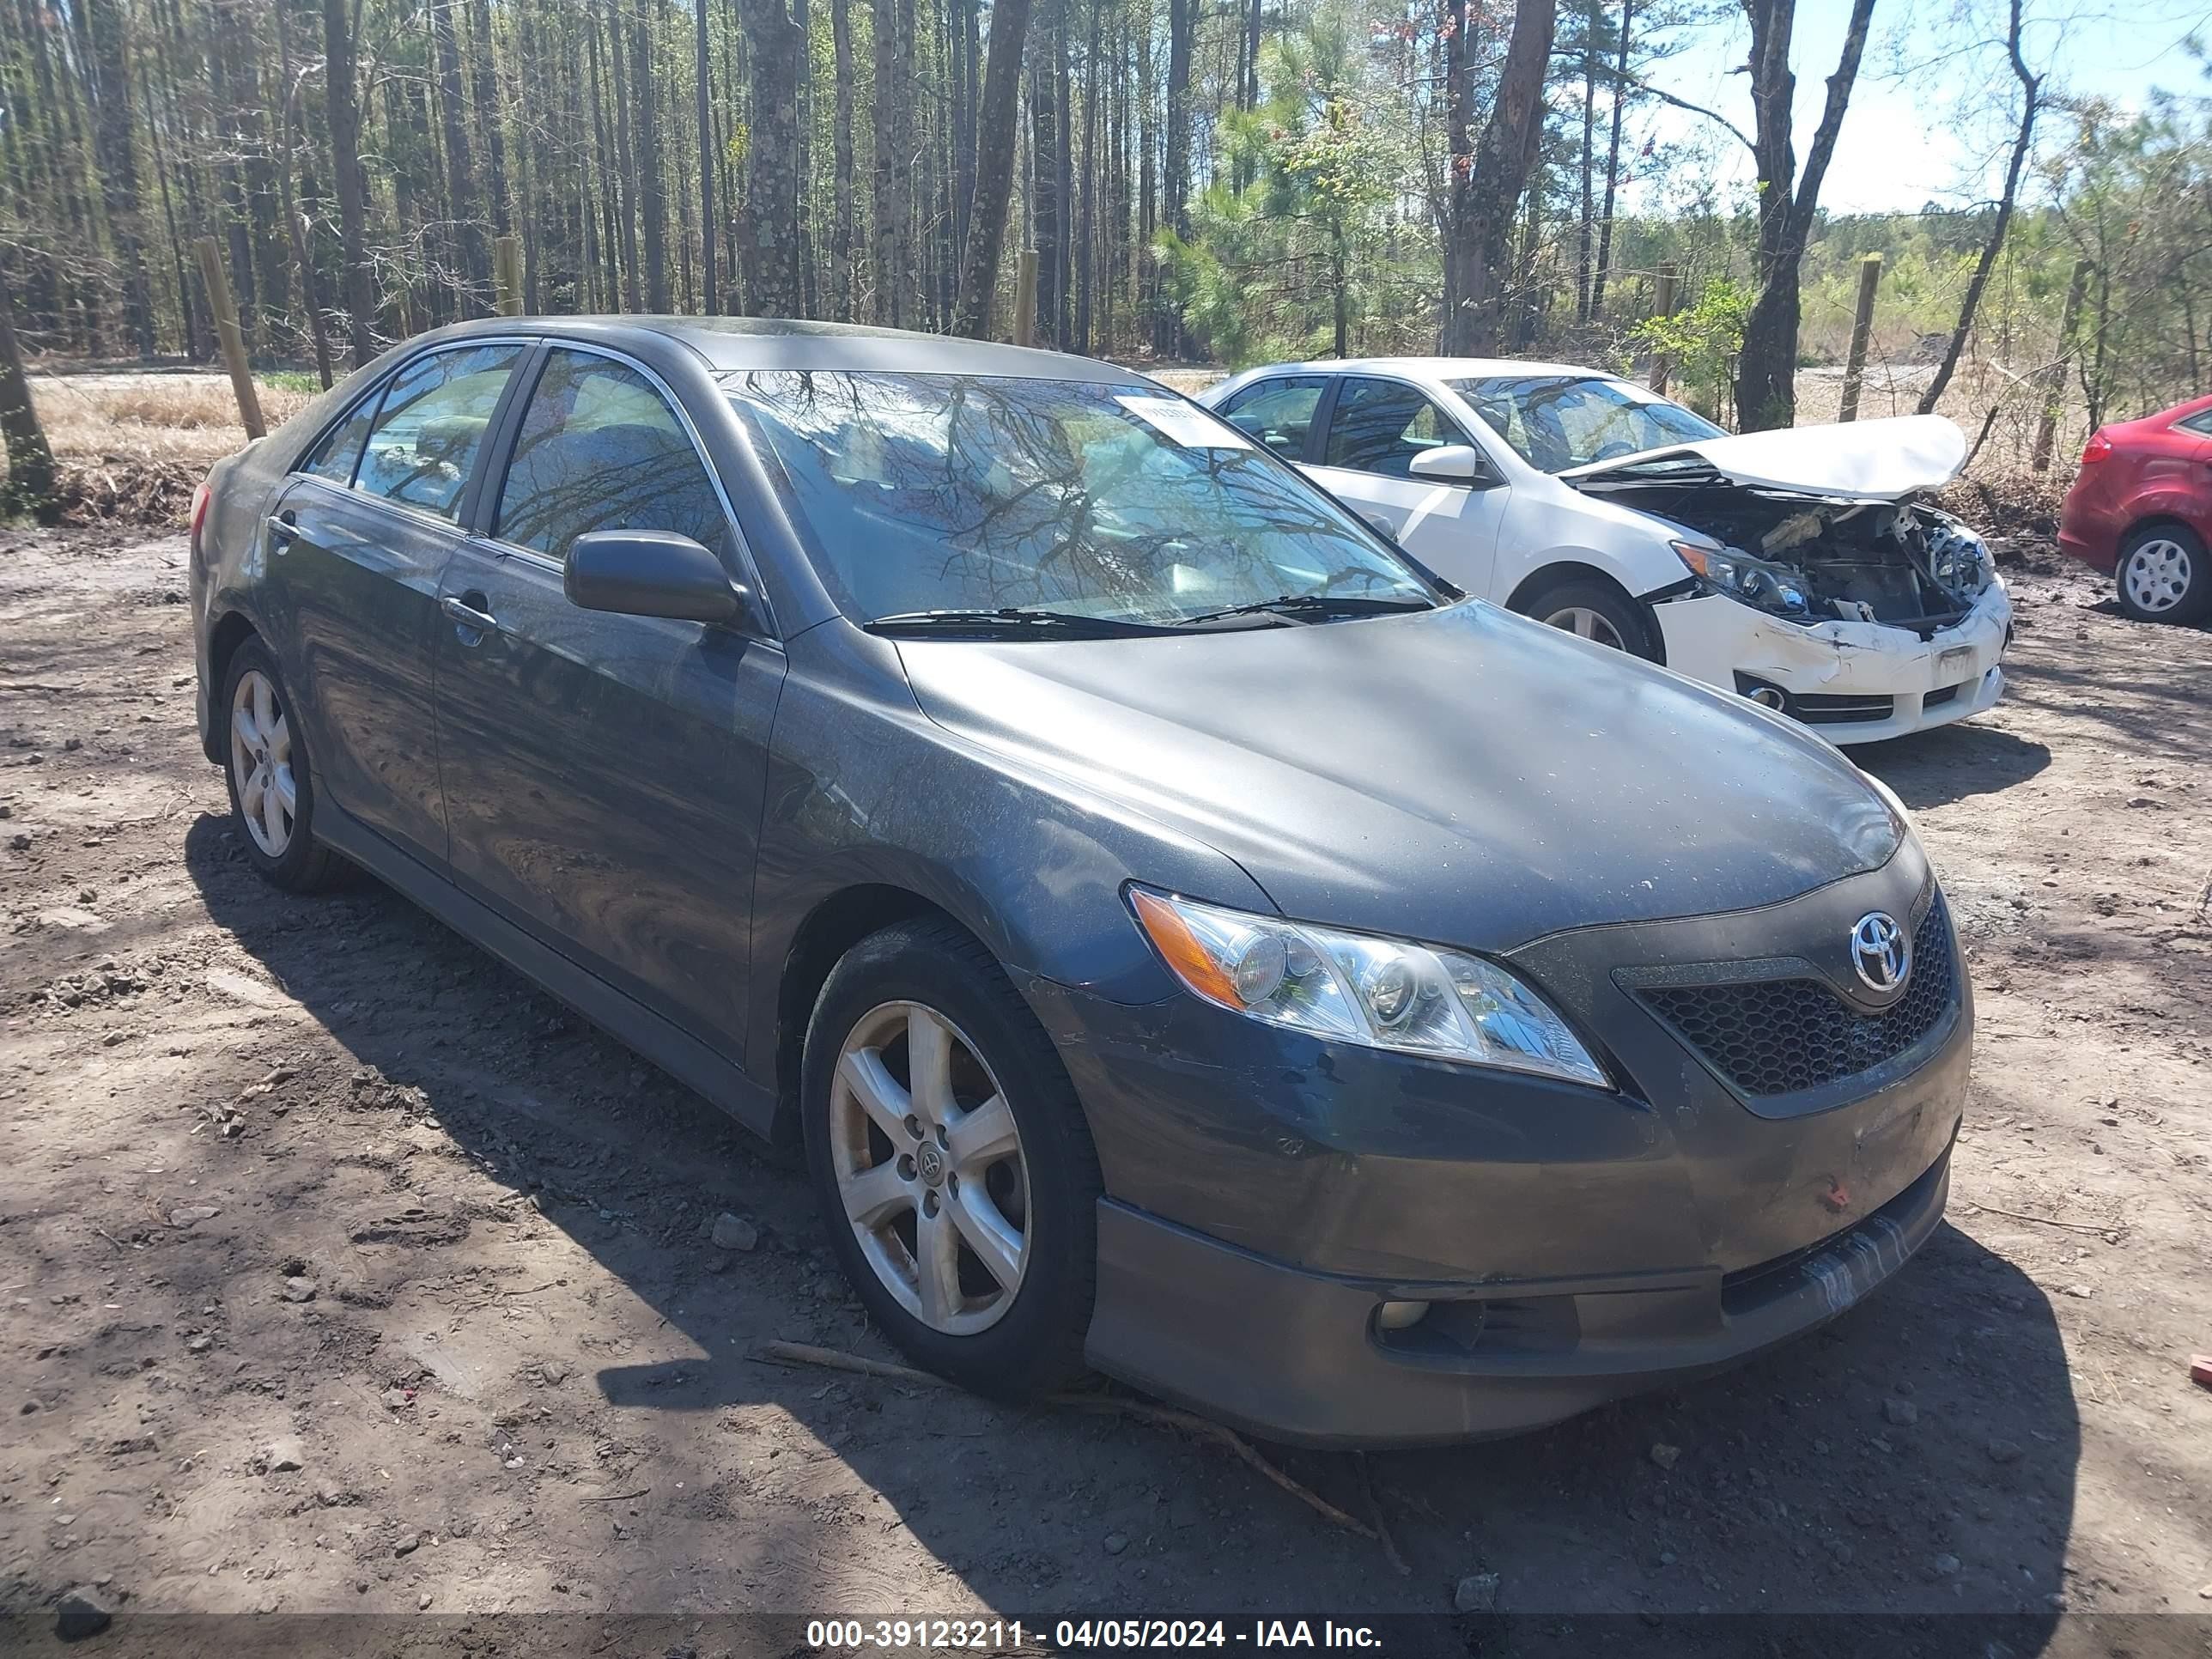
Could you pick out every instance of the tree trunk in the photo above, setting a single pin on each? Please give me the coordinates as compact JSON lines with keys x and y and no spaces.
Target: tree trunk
{"x":710,"y":279}
{"x":995,"y":144}
{"x":30,"y":486}
{"x":774,"y":43}
{"x":484,"y":87}
{"x":841,"y":225}
{"x":653,"y":188}
{"x":1586,"y":227}
{"x":1485,"y":194}
{"x":119,"y":166}
{"x":889,"y":226}
{"x":344,"y":118}
{"x":625,"y":167}
{"x":2031,"y":87}
{"x":460,"y":173}
{"x":1048,"y":205}
{"x":1765,"y":388}
{"x":296,"y":231}
{"x":1182,"y":22}
{"x":1612,"y":166}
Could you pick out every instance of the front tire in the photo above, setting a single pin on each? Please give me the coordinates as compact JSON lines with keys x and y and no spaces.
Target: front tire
{"x":1596,"y":612}
{"x":952,"y":1162}
{"x":272,"y":789}
{"x":2163,"y":575}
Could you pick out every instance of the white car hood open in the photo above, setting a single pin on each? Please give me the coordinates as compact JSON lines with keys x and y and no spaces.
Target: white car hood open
{"x":1859,"y":460}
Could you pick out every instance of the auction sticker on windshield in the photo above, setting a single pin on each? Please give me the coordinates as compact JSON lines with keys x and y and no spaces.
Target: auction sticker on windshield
{"x":1184,"y":423}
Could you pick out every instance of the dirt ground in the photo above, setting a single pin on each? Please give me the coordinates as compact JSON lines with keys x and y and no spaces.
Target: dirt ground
{"x":345,"y":1273}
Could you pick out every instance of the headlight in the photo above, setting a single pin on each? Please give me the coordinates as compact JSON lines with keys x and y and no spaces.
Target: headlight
{"x":1736,"y":574}
{"x":1907,"y":834}
{"x":1958,"y":559}
{"x":1356,"y":988}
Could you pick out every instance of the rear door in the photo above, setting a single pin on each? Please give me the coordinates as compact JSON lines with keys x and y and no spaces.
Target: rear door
{"x":604,"y":775}
{"x":357,"y":542}
{"x":1373,"y":429}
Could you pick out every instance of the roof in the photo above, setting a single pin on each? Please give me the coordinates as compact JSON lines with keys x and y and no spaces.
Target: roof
{"x":1438,"y":368}
{"x":734,"y":344}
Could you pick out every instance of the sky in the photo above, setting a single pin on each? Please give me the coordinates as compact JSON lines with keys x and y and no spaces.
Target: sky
{"x":1904,"y":142}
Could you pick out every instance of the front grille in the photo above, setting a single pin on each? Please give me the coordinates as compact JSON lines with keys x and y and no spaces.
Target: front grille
{"x":1815,"y":709}
{"x":1780,"y":1037}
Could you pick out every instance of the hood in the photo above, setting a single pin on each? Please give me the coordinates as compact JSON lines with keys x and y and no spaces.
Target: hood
{"x":1459,"y":775}
{"x":1856,"y":460}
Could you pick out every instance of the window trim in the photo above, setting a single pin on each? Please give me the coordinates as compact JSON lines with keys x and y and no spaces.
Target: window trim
{"x":508,"y":432}
{"x":1435,"y":400}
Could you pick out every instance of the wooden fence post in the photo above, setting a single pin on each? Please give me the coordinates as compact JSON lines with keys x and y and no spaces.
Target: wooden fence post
{"x":1862,"y":328}
{"x":1664,"y":298}
{"x":2047,"y":429}
{"x":1025,"y":291}
{"x":506,"y":275}
{"x":234,"y":342}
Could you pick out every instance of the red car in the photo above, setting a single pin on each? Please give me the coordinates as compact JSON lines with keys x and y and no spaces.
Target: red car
{"x":2142,"y":511}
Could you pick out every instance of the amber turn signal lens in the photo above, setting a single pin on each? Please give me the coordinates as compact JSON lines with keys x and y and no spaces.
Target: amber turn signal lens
{"x":1188,"y":960}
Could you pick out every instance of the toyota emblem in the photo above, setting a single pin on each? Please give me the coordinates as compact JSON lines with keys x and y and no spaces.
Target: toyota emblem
{"x":1881,"y":951}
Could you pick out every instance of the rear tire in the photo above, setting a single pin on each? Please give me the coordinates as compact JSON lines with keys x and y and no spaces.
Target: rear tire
{"x":933,"y":1197}
{"x":2163,"y":574}
{"x":1598,"y":613}
{"x":272,"y":787}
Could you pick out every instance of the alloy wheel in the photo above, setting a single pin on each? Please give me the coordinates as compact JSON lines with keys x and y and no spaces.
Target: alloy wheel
{"x":1586,"y":623}
{"x":928,"y":1163}
{"x":2156,"y":574}
{"x":261,"y":762}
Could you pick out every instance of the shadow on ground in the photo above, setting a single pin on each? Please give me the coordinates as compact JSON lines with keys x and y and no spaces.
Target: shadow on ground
{"x":1916,"y":1457}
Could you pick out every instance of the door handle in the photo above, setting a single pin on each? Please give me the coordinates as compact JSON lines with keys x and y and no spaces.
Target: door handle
{"x":283,"y":529}
{"x":467,"y":616}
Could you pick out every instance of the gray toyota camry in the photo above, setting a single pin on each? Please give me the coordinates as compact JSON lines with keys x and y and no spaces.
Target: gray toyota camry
{"x":1189,"y":939}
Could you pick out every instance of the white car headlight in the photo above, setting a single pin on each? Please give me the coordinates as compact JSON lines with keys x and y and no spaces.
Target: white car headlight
{"x":1358,"y":987}
{"x":1732,"y":571}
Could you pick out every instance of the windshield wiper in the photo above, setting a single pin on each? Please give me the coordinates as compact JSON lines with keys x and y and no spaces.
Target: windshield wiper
{"x":1314,"y":607}
{"x":1068,"y":624}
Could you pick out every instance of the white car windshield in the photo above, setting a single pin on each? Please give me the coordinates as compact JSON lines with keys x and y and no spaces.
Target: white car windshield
{"x":918,"y":494}
{"x":1557,"y":421}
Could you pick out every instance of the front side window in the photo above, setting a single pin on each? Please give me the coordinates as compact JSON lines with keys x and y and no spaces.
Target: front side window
{"x":1278,"y":413}
{"x":1555,"y":422}
{"x":430,"y":429}
{"x":600,"y":449}
{"x":918,"y":493}
{"x":335,"y":457}
{"x":1379,"y":426}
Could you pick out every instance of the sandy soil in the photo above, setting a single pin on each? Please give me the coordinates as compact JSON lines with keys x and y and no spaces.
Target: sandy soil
{"x":344,"y":1271}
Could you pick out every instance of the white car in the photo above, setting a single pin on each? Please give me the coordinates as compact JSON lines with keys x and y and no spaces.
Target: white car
{"x":1804,"y":569}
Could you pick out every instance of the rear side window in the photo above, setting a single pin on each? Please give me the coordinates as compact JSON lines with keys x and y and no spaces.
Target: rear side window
{"x":600,"y":449}
{"x":1278,"y":413}
{"x":1379,"y":426}
{"x":430,"y":430}
{"x":340,"y":449}
{"x":2200,"y":423}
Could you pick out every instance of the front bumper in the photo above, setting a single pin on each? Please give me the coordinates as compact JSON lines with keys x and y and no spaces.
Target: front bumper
{"x":1266,"y":1193}
{"x":1852,"y":682}
{"x":1297,"y":1357}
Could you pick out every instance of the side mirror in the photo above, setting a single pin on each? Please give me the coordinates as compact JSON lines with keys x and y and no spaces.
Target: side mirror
{"x":1451,"y":463}
{"x":650,"y":573}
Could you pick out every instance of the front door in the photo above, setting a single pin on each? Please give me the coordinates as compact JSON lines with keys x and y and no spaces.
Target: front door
{"x":604,"y":775}
{"x":1376,"y":428}
{"x":363,"y":533}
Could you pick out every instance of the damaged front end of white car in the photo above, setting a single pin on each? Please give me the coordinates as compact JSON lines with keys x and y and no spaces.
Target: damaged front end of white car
{"x":1819,"y":578}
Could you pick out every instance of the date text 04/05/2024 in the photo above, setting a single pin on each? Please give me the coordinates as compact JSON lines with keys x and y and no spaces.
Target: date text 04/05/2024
{"x":996,"y":1635}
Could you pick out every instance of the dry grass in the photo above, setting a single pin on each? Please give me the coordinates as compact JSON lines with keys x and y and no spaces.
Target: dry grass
{"x":148,"y":417}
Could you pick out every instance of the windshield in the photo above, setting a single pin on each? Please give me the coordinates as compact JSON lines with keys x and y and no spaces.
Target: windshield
{"x":1557,"y":421}
{"x":920,"y":492}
